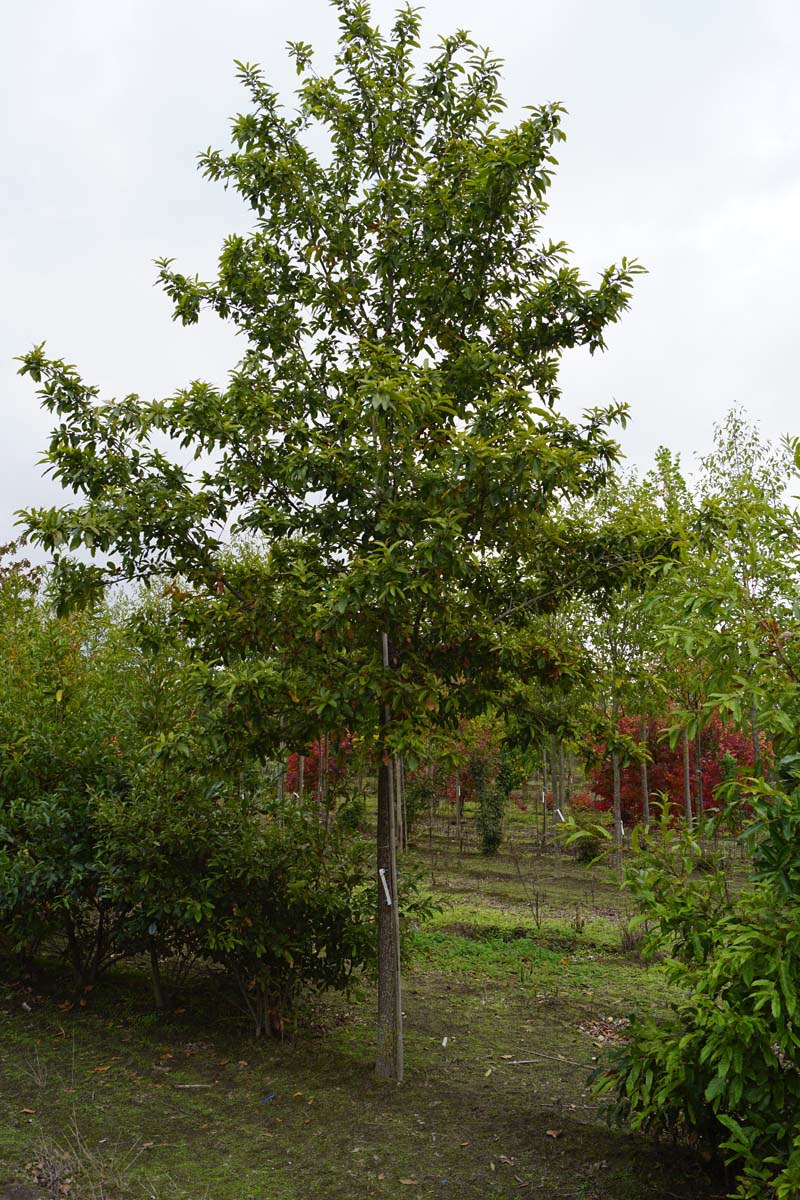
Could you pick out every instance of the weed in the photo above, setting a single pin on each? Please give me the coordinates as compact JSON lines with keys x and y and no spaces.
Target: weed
{"x":37,"y":1069}
{"x":53,"y":1168}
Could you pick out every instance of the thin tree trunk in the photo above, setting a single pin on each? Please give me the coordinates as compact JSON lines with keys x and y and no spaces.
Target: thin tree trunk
{"x":687,"y":778}
{"x":404,"y":804}
{"x":398,"y":805}
{"x":458,"y":812}
{"x":389,"y":1055}
{"x":645,"y":781}
{"x":544,"y":793}
{"x":698,"y":773}
{"x":282,"y":769}
{"x":155,"y":977}
{"x":617,"y":803}
{"x":555,"y":771}
{"x":319,"y":775}
{"x":754,"y":733}
{"x":545,"y":762}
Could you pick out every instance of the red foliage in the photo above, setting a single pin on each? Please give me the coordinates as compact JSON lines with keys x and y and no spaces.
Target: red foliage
{"x":665,"y":770}
{"x":476,"y":739}
{"x":336,"y":754}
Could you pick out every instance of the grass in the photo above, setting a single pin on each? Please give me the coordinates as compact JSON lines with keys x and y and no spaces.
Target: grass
{"x":510,"y":994}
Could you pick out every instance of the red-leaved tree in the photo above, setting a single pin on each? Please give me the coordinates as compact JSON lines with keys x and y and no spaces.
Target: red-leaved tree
{"x":724,"y":751}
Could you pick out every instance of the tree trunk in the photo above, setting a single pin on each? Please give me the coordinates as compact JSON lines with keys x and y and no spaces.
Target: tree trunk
{"x":301,"y":770}
{"x":617,"y":801}
{"x":389,"y":1055}
{"x":555,"y":772}
{"x":458,"y":812}
{"x":400,"y":824}
{"x":282,"y":775}
{"x":544,"y":791}
{"x":698,"y":773}
{"x":687,"y":779}
{"x":544,"y":806}
{"x":155,"y":977}
{"x":645,"y":782}
{"x":754,"y":733}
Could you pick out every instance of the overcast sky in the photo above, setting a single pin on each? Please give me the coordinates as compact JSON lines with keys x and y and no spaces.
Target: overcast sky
{"x":683,"y":149}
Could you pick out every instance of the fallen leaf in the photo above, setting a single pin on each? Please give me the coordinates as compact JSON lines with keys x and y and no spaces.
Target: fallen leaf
{"x":553,"y":1133}
{"x":99,"y":1070}
{"x":31,"y":1112}
{"x":506,"y":1055}
{"x":466,"y":1143}
{"x":486,"y":1074}
{"x":297,"y":1093}
{"x":409,"y":1182}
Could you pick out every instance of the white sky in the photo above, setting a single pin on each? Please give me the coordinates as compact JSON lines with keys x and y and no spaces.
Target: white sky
{"x":683,"y":150}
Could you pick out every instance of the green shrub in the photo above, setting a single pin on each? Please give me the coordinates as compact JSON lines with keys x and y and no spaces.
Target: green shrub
{"x":724,"y":1066}
{"x":490,"y":802}
{"x":133,"y":824}
{"x":267,"y":894}
{"x":586,"y":833}
{"x":489,"y":818}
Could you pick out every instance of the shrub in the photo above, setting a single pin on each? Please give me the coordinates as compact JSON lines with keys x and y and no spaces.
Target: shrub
{"x":269,"y":895}
{"x":586,"y":833}
{"x":724,"y":1066}
{"x":490,"y":800}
